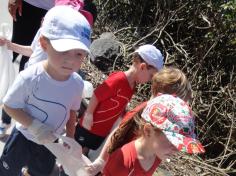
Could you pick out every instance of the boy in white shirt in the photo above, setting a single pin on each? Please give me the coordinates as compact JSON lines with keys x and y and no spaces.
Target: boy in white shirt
{"x":45,"y":97}
{"x":34,"y":51}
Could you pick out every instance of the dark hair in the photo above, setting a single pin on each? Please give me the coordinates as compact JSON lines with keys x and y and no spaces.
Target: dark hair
{"x":137,"y":58}
{"x":125,"y":133}
{"x":128,"y":131}
{"x":91,"y":7}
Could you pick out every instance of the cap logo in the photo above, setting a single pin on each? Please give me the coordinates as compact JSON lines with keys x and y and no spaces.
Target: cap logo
{"x":157,"y":114}
{"x":85,"y":33}
{"x":53,"y":26}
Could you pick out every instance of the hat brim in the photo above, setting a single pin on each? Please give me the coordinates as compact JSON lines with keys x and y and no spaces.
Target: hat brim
{"x":62,"y":45}
{"x":183,"y":143}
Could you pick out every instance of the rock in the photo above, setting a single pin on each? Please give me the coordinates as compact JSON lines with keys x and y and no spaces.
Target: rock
{"x":106,"y":51}
{"x":198,"y":169}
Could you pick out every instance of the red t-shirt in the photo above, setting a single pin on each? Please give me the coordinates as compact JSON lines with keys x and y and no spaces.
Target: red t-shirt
{"x":124,"y":162}
{"x":113,"y":95}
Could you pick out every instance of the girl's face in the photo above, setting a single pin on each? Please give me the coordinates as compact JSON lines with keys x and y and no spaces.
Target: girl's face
{"x":60,"y":65}
{"x":162,"y":147}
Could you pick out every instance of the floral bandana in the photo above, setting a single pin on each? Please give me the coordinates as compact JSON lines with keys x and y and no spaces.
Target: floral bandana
{"x":174,"y":117}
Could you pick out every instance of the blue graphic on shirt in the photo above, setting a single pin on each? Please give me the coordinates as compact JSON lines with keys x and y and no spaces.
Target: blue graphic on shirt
{"x":38,"y":105}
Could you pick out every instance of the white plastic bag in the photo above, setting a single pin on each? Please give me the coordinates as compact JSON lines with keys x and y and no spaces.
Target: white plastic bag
{"x":8,"y":71}
{"x":88,"y":90}
{"x":71,"y":158}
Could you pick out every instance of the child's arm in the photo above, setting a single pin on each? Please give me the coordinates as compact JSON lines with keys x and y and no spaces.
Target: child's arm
{"x":70,"y":125}
{"x":100,"y":161}
{"x":88,"y":117}
{"x":42,"y":132}
{"x":19,"y":115}
{"x":21,"y":49}
{"x":104,"y":154}
{"x":92,"y":104}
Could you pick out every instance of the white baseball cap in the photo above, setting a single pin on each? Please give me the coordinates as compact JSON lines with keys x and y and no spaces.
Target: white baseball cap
{"x":151,"y":55}
{"x":66,"y":29}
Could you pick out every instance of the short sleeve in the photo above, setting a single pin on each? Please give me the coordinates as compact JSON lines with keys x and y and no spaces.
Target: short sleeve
{"x":77,"y":102}
{"x":17,"y":94}
{"x":78,"y":97}
{"x":108,"y":88}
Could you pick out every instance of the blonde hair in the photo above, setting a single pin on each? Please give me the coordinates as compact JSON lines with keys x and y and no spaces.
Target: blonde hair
{"x":171,"y":80}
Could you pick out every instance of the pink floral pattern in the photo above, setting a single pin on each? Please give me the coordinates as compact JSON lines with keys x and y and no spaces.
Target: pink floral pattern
{"x":175,"y":118}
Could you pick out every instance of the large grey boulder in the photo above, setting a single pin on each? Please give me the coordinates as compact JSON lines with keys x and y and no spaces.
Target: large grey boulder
{"x":107,"y":52}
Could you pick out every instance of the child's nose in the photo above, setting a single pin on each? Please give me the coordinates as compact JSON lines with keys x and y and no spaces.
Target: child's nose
{"x":68,"y":59}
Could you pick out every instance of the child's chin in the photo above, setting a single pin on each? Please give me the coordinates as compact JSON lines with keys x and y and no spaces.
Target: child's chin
{"x":67,"y":71}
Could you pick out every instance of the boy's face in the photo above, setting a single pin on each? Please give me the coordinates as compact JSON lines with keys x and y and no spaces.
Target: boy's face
{"x":145,"y":73}
{"x":64,"y":63}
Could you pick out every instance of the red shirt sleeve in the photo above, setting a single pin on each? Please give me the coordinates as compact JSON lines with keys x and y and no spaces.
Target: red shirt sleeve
{"x":108,"y":88}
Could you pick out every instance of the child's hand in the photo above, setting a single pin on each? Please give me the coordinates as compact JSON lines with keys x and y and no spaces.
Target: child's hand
{"x":42,"y":132}
{"x":87,"y":121}
{"x":71,"y":146}
{"x":95,"y":167}
{"x":3,"y":41}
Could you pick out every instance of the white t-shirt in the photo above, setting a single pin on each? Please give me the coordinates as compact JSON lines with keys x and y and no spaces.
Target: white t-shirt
{"x":43,"y":4}
{"x":44,"y":98}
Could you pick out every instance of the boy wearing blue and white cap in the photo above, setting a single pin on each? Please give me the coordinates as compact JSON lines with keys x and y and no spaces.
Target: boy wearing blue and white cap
{"x":45,"y":97}
{"x":109,"y":99}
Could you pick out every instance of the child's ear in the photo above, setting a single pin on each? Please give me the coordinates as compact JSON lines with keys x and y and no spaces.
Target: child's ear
{"x":143,"y":66}
{"x":43,"y":42}
{"x":147,"y":129}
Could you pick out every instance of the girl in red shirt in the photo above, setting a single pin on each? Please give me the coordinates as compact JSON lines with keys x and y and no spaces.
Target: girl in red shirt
{"x":165,"y":127}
